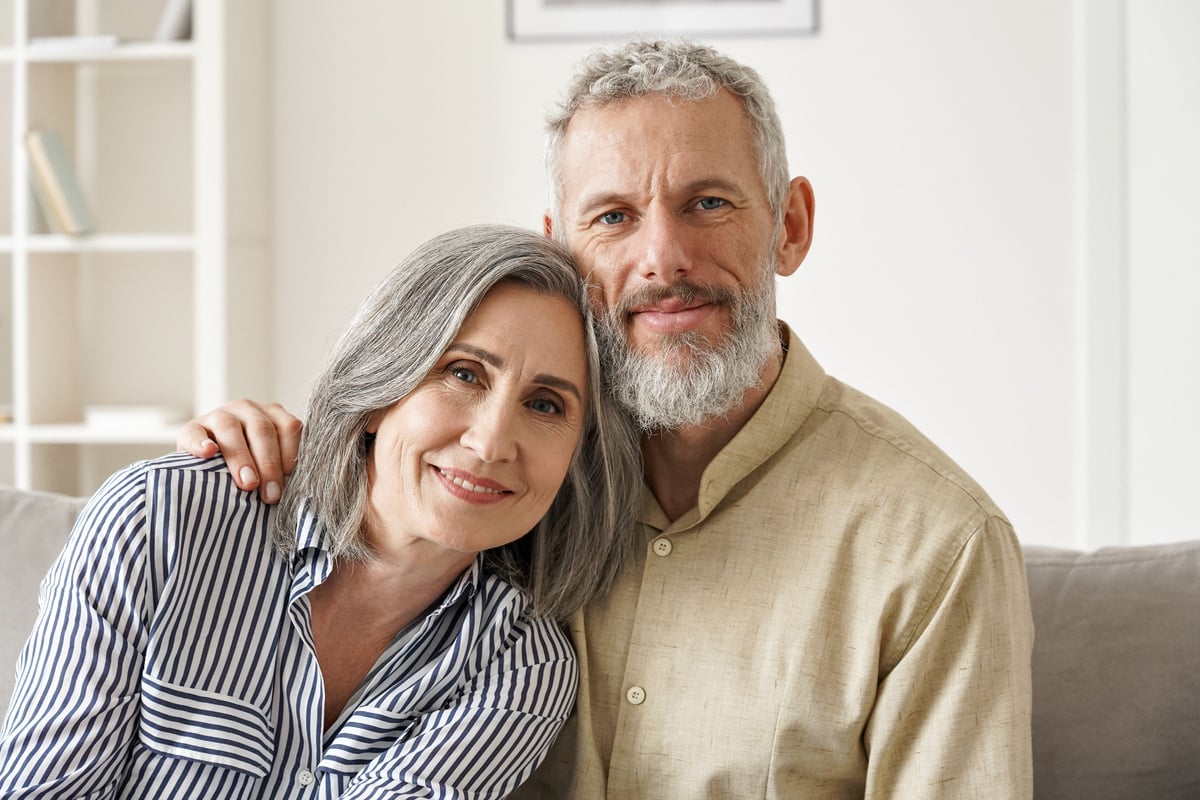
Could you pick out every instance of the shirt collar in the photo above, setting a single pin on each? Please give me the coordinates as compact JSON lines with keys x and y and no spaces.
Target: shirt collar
{"x":313,"y":562}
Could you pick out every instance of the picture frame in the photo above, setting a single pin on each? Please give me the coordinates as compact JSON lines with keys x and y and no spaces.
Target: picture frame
{"x":558,"y":20}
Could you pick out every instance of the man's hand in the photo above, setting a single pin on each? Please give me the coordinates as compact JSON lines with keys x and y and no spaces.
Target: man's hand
{"x":259,"y":441}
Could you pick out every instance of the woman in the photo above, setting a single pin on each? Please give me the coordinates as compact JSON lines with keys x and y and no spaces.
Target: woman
{"x":390,"y":630}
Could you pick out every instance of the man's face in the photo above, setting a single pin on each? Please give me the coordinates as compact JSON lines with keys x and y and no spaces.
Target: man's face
{"x":664,"y":208}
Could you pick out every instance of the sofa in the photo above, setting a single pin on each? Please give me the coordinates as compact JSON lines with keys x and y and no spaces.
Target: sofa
{"x":1116,"y":662}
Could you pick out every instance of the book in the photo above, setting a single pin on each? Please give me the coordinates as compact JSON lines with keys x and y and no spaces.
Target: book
{"x":55,"y":184}
{"x":175,"y":22}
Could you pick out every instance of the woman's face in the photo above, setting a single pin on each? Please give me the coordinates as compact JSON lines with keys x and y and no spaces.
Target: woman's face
{"x":472,"y":458}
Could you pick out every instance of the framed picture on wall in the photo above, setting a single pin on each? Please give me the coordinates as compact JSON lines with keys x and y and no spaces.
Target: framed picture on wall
{"x":609,"y":19}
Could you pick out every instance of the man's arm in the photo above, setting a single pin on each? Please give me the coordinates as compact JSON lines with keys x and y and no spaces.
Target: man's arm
{"x":260,"y":443}
{"x":952,"y":718}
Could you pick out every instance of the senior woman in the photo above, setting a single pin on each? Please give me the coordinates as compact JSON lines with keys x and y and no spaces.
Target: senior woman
{"x":391,"y":628}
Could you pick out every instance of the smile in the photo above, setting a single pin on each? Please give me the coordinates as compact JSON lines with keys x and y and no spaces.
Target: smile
{"x":467,"y":485}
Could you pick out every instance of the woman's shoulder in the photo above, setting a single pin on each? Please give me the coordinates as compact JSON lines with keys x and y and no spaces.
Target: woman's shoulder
{"x":512,"y":615}
{"x":175,"y":495}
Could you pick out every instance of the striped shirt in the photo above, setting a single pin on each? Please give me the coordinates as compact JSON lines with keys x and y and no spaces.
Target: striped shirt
{"x":173,"y":658}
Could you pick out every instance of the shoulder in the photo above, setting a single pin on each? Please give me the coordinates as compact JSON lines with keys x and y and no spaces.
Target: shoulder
{"x":168,"y":497}
{"x":891,"y":454}
{"x":508,"y":616}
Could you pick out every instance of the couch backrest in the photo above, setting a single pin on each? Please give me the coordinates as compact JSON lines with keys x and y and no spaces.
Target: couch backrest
{"x":33,"y":528}
{"x":1116,"y":672}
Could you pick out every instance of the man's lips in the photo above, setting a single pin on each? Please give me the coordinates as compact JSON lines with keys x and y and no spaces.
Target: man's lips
{"x":672,"y":316}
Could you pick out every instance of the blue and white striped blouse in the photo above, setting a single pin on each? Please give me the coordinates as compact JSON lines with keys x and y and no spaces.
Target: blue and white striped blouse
{"x":173,"y":658}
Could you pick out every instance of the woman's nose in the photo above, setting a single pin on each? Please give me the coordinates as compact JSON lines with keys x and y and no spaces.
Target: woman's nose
{"x":490,"y":433}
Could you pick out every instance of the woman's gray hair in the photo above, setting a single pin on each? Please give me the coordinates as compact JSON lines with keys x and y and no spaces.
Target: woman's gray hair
{"x":686,"y":70}
{"x":396,"y":337}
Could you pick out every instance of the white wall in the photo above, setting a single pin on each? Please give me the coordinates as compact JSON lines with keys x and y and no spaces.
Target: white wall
{"x":942,"y":139}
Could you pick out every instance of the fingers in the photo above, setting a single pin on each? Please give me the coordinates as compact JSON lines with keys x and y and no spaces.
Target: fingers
{"x":260,"y":443}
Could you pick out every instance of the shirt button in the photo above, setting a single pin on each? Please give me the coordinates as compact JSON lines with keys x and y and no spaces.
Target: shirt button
{"x":636,"y":695}
{"x":662,"y":546}
{"x":305,"y":778}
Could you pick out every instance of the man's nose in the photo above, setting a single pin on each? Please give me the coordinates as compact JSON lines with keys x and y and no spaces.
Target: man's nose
{"x":490,"y":432}
{"x":664,"y":252}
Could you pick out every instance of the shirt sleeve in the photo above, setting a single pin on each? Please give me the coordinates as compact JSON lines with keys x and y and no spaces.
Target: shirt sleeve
{"x":74,"y":710}
{"x":489,"y":739}
{"x":952,"y":719}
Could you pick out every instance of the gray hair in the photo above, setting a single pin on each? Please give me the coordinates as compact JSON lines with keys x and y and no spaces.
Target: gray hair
{"x":396,"y":337}
{"x":681,"y":69}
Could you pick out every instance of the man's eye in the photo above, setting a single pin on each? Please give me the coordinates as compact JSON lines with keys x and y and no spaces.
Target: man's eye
{"x":709,"y":203}
{"x":544,"y":405}
{"x":613,"y":218}
{"x":464,"y":374}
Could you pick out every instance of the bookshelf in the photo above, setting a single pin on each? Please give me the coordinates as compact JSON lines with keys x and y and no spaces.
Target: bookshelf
{"x":108,"y":339}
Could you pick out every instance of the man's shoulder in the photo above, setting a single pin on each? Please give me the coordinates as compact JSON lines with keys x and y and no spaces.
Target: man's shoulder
{"x":863,"y":437}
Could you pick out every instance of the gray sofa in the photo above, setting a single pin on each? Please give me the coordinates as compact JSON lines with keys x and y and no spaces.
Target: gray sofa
{"x":1116,"y":664}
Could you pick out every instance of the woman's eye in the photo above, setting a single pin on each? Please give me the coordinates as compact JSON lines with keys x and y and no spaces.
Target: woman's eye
{"x":709,"y":203}
{"x":545,"y":405}
{"x":464,"y":374}
{"x":613,"y":217}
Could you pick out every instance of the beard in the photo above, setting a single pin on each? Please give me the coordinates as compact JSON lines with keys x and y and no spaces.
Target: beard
{"x":685,"y":379}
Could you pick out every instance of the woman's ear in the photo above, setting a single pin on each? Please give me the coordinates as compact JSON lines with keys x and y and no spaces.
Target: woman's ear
{"x":796,"y":236}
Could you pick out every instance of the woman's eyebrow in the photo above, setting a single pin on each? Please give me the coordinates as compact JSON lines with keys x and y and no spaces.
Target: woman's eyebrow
{"x":488,"y":357}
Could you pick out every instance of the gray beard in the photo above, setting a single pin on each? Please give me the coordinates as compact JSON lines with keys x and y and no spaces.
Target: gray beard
{"x":687,"y":380}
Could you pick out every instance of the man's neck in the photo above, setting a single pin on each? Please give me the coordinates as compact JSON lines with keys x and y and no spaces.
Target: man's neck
{"x":675,"y":459}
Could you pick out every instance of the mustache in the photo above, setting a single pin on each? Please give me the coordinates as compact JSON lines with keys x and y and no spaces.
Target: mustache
{"x":685,"y":291}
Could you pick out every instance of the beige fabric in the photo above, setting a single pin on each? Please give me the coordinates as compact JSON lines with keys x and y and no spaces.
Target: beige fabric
{"x":844,"y":615}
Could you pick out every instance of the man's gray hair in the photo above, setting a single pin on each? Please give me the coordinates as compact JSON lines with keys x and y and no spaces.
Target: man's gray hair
{"x":681,"y":69}
{"x":396,"y":337}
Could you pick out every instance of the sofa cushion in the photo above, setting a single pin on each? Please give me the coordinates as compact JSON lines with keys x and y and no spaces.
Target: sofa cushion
{"x":33,"y":528}
{"x":1116,"y":671}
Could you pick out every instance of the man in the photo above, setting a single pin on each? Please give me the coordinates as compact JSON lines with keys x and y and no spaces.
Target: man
{"x":826,"y":606}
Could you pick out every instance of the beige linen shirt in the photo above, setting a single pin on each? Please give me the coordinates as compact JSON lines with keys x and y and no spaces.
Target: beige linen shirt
{"x":843,"y":615}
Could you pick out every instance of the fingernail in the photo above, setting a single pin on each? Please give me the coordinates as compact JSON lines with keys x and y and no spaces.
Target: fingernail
{"x":205,"y":444}
{"x":273,"y":492}
{"x":247,"y":475}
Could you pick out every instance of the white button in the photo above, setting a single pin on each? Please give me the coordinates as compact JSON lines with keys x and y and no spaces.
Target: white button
{"x":305,"y":778}
{"x":636,"y":695}
{"x":662,"y":546}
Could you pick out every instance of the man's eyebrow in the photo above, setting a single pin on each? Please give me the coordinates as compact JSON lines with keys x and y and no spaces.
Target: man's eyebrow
{"x":488,"y":357}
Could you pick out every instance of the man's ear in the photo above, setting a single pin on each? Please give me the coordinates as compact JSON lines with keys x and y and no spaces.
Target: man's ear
{"x":796,"y":236}
{"x":548,"y":224}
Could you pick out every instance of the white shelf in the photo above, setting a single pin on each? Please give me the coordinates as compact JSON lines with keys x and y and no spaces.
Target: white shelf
{"x":126,"y":51}
{"x":103,"y":243}
{"x":174,"y":142}
{"x":84,"y":434}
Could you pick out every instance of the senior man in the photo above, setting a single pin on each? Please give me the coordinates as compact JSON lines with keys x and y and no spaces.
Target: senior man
{"x":826,"y":606}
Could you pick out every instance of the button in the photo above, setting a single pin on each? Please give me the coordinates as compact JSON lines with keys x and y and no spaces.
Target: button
{"x":305,"y":778}
{"x":636,"y":695}
{"x":662,"y":546}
